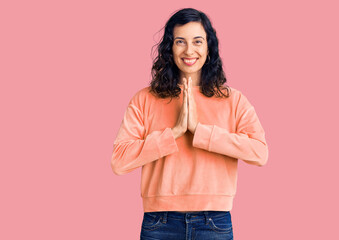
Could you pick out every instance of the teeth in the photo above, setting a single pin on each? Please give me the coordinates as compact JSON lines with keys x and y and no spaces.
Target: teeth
{"x":189,"y":61}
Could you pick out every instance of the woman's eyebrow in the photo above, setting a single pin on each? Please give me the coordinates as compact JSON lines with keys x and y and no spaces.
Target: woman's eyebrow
{"x":193,"y":38}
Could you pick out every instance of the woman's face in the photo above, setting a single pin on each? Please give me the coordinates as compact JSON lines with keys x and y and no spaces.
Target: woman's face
{"x":190,"y":47}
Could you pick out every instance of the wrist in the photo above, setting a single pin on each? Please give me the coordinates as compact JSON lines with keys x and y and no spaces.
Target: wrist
{"x":175,"y":132}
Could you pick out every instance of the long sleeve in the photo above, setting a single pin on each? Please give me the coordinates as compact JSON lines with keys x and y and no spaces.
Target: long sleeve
{"x":247,"y":143}
{"x":132,"y":148}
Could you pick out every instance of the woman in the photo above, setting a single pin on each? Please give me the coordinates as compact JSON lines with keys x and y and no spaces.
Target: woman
{"x":188,"y":146}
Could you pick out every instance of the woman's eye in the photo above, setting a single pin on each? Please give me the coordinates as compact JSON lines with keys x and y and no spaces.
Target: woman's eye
{"x":182,"y":42}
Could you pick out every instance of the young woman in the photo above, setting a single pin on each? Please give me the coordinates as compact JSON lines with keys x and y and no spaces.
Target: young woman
{"x":187,"y":131}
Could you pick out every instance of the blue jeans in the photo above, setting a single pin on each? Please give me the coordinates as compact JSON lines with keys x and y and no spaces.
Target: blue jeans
{"x":204,"y":225}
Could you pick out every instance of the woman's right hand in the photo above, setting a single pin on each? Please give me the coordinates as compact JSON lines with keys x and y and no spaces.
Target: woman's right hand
{"x":181,"y":125}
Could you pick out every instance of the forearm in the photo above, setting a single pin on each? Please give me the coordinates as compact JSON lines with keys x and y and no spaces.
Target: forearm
{"x":237,"y":145}
{"x":132,"y":154}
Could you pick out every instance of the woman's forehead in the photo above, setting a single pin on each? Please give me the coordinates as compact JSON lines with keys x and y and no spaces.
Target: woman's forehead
{"x":189,"y":30}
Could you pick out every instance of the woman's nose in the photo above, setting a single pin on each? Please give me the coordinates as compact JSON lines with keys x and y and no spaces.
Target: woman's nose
{"x":189,"y":49}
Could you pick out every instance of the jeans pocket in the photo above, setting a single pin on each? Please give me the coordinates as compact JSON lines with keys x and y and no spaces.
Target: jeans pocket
{"x":221,"y":224}
{"x":151,"y":221}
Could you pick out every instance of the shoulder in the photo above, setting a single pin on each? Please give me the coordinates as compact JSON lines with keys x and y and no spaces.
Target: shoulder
{"x":238,"y":98}
{"x":143,"y":93}
{"x":241,"y":101}
{"x":142,"y":97}
{"x":234,"y":94}
{"x":237,"y":93}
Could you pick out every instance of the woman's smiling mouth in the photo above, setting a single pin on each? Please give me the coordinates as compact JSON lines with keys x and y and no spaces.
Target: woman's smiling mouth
{"x":189,"y":61}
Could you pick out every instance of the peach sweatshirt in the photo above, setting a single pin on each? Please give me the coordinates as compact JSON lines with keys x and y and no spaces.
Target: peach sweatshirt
{"x":193,"y":172}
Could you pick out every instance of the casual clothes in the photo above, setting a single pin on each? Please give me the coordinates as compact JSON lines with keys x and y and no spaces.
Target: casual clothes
{"x":193,"y":172}
{"x":171,"y":225}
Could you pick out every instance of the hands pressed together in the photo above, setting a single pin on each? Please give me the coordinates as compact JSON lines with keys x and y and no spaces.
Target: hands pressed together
{"x":188,"y":117}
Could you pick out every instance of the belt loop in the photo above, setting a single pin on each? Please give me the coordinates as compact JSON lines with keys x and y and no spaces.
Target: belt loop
{"x":206,"y":217}
{"x":164,"y":217}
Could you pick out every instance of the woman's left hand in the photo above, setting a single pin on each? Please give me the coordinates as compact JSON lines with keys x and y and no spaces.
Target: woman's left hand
{"x":192,"y":109}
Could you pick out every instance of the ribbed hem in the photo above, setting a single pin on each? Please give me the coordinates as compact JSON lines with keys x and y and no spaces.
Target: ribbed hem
{"x":188,"y":203}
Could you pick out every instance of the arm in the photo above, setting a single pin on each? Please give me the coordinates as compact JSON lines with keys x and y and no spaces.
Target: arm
{"x":132,"y":150}
{"x":247,"y":143}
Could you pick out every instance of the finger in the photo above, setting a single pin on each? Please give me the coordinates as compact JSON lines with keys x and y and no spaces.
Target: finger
{"x":191,"y":84}
{"x":191,"y":87}
{"x":185,"y":99}
{"x":186,"y":93}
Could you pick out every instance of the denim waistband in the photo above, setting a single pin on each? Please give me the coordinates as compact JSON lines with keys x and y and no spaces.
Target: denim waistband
{"x":190,"y":216}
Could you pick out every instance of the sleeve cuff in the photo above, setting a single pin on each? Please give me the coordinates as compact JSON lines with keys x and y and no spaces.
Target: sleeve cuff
{"x":167,"y":143}
{"x":202,"y":136}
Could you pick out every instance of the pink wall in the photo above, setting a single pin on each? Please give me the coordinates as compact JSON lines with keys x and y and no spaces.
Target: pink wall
{"x":69,"y":68}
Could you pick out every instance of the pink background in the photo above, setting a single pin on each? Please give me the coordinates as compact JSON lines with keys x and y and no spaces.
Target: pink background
{"x":69,"y":68}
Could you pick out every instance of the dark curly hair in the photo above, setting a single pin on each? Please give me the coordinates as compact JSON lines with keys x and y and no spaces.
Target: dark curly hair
{"x":165,"y":73}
